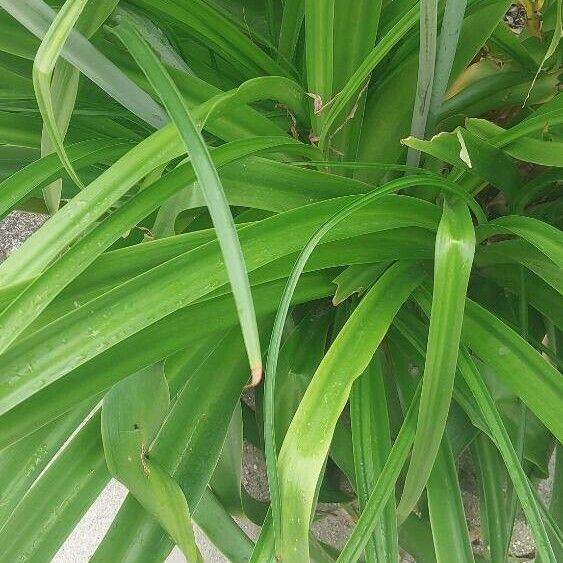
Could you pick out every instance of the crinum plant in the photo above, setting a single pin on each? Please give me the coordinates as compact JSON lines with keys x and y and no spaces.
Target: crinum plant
{"x":350,"y":207}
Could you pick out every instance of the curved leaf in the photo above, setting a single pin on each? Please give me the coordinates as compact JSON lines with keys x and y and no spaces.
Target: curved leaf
{"x":210,"y":183}
{"x":307,"y":441}
{"x":132,"y":413}
{"x":455,"y":246}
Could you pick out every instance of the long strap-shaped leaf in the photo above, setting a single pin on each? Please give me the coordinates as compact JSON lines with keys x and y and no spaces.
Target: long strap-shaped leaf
{"x":190,"y":439}
{"x":132,"y":414}
{"x":37,"y":16}
{"x":426,"y":66}
{"x":147,"y":298}
{"x":384,"y":487}
{"x":447,"y":46}
{"x":491,"y":421}
{"x":275,"y":343}
{"x":13,"y":190}
{"x":502,"y":439}
{"x":65,"y":489}
{"x":546,"y":238}
{"x":493,"y":506}
{"x":43,"y":67}
{"x":536,"y":382}
{"x":319,"y":26}
{"x":26,"y":307}
{"x":337,"y":105}
{"x":292,"y":20}
{"x":445,"y":507}
{"x":63,"y":92}
{"x":211,"y":186}
{"x":306,"y":445}
{"x":88,"y":205}
{"x":455,"y":247}
{"x":371,"y":446}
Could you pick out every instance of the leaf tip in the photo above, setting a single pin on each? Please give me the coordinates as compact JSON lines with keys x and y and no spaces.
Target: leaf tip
{"x":255,"y":376}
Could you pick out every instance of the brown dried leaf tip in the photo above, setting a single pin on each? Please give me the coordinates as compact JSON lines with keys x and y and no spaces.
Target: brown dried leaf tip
{"x":317,"y":102}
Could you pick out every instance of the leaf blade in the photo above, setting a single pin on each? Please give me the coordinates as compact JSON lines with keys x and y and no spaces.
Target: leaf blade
{"x":455,"y":247}
{"x":211,"y":186}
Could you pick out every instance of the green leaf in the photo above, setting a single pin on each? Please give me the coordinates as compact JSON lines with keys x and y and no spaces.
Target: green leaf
{"x":319,"y":32}
{"x":43,"y":67}
{"x":87,"y":206}
{"x":284,"y":90}
{"x":64,"y":89}
{"x":270,"y":439}
{"x":37,"y":16}
{"x":371,"y":447}
{"x":64,"y":491}
{"x":516,"y":142}
{"x":426,"y":67}
{"x":455,"y":246}
{"x":188,"y":444}
{"x":521,"y":252}
{"x":356,"y":279}
{"x":300,"y":356}
{"x":210,"y":183}
{"x":553,"y":44}
{"x":14,"y":189}
{"x":544,"y":237}
{"x":535,"y":381}
{"x":219,"y":33}
{"x":23,"y":462}
{"x":492,"y":499}
{"x":446,"y":50}
{"x":154,"y":36}
{"x":470,"y":153}
{"x":447,"y":518}
{"x":384,"y":486}
{"x":292,"y":21}
{"x":27,"y":308}
{"x":477,"y":28}
{"x":222,"y":530}
{"x":132,"y":413}
{"x":357,"y":80}
{"x":307,"y":442}
{"x":506,"y":449}
{"x":350,"y":50}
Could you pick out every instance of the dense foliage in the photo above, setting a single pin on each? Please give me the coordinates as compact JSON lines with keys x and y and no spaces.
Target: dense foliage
{"x":359,"y":198}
